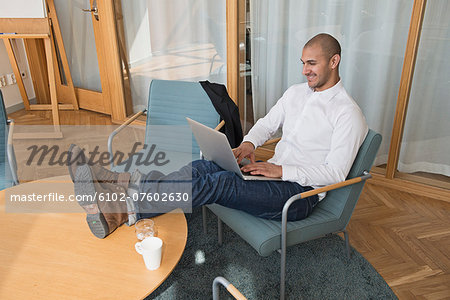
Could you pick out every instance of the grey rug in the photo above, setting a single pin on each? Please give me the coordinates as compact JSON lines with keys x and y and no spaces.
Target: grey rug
{"x":318,"y":269}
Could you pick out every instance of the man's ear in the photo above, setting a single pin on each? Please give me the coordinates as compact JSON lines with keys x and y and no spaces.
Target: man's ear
{"x":334,"y":61}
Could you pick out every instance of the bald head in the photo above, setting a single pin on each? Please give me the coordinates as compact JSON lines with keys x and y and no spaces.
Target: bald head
{"x":329,"y":45}
{"x":321,"y":57}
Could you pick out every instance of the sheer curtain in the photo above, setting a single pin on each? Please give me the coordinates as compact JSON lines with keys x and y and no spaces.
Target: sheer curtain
{"x":174,"y":39}
{"x":426,"y":140}
{"x":373,"y":38}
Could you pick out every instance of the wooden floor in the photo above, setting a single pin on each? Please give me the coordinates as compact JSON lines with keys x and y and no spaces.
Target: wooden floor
{"x":404,"y":236}
{"x":66,"y":117}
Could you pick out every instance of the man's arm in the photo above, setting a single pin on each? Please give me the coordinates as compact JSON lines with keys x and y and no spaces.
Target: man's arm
{"x":348,"y":135}
{"x":266,"y":127}
{"x":261,"y":132}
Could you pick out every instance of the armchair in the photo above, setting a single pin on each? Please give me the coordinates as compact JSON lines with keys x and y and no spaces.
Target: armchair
{"x":331,"y":215}
{"x":169,"y":102}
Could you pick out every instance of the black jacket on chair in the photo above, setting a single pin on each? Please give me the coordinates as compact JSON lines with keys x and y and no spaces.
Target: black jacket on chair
{"x":227,"y":110}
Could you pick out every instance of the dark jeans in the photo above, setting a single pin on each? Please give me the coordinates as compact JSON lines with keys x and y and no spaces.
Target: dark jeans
{"x":207,"y":183}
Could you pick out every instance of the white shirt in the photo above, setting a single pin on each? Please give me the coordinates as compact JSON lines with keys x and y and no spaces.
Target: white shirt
{"x":322,"y":133}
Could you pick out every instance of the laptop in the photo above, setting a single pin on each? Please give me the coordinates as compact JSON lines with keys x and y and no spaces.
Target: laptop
{"x":215,"y":147}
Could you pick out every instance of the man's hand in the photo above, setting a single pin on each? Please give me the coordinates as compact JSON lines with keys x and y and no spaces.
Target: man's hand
{"x":245,"y":150}
{"x":264,"y":168}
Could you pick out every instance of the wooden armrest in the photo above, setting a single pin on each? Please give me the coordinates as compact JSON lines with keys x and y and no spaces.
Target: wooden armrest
{"x":221,"y":124}
{"x":235,"y":292}
{"x":219,"y":280}
{"x":366,"y":175}
{"x":118,"y":129}
{"x":271,"y":141}
{"x":130,"y":120}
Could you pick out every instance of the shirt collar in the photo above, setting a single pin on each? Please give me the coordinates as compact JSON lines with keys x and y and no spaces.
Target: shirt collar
{"x":329,"y":93}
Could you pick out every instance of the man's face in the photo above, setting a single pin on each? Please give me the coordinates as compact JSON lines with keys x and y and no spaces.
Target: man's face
{"x":316,"y":67}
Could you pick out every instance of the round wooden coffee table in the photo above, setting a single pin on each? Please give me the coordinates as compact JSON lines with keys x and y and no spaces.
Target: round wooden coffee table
{"x":45,"y":254}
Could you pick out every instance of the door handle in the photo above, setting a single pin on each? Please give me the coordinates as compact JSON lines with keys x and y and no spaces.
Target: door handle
{"x":93,"y":10}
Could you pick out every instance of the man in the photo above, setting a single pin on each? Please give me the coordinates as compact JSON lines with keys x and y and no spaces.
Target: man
{"x":323,"y":129}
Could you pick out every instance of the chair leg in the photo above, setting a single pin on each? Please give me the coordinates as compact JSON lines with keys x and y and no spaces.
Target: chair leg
{"x":205,"y":229}
{"x":347,"y":243}
{"x":283,"y":273}
{"x":219,"y":231}
{"x":283,"y":257}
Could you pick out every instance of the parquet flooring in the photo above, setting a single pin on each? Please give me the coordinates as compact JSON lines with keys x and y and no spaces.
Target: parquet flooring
{"x":66,"y":117}
{"x":404,"y":236}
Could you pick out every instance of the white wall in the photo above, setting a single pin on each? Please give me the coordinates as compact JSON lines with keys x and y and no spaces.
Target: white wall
{"x":22,"y":9}
{"x":16,"y":9}
{"x":11,"y":93}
